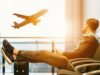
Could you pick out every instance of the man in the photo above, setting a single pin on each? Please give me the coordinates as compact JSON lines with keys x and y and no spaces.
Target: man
{"x":85,"y":48}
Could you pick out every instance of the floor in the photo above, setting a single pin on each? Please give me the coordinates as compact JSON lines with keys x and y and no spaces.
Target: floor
{"x":31,"y":74}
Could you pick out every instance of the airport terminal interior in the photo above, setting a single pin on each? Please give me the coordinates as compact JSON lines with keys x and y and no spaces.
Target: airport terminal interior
{"x":45,"y":25}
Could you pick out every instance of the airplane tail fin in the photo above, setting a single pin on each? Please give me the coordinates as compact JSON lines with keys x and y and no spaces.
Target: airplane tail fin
{"x":15,"y":25}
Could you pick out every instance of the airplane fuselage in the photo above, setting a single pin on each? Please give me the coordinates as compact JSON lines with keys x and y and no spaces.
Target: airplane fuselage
{"x":29,"y":19}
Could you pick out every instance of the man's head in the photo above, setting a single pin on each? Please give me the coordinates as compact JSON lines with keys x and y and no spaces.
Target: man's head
{"x":92,"y":24}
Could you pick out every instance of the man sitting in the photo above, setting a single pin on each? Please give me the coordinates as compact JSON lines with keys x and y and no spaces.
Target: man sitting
{"x":85,"y":48}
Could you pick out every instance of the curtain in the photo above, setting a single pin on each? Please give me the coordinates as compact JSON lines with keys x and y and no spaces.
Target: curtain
{"x":74,"y":22}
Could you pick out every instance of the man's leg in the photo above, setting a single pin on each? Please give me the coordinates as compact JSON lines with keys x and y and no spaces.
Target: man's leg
{"x":53,"y":59}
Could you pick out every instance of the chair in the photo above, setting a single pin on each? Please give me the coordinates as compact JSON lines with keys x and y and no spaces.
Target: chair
{"x":84,"y":66}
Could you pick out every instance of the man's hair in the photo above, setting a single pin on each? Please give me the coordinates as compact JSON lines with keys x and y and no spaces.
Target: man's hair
{"x":93,"y":24}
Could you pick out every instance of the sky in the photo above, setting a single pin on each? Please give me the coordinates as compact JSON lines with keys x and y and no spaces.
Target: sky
{"x":52,"y":24}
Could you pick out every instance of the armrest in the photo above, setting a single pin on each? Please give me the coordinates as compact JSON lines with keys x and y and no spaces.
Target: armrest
{"x":77,"y":59}
{"x":87,"y":67}
{"x":80,"y":62}
{"x":95,"y":72}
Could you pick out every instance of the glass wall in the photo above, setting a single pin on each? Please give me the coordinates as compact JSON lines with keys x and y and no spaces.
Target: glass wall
{"x":30,"y":37}
{"x":92,"y":10}
{"x":51,"y":23}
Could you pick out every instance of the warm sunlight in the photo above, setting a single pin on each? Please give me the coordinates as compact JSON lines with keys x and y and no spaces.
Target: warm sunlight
{"x":52,"y":23}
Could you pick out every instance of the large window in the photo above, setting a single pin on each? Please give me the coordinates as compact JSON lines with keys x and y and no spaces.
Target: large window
{"x":92,"y":10}
{"x":51,"y":24}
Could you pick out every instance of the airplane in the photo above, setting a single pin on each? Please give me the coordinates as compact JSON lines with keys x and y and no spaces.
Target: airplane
{"x":29,"y":19}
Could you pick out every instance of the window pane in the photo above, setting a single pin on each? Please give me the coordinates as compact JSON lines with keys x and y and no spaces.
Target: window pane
{"x":52,"y":23}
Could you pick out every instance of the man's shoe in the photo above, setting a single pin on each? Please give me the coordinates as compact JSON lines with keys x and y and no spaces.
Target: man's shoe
{"x":7,"y":46}
{"x":8,"y":56}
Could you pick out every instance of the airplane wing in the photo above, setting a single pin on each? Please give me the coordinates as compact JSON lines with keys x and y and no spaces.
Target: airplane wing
{"x":35,"y":22}
{"x":20,"y":24}
{"x":40,"y":13}
{"x":21,"y":16}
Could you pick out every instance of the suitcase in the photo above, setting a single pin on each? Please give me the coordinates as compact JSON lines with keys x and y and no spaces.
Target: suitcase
{"x":21,"y":68}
